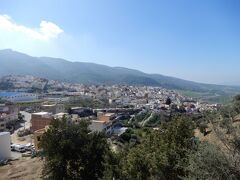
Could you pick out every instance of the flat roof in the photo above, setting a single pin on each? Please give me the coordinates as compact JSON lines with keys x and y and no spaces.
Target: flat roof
{"x":49,"y":105}
{"x":4,"y":133}
{"x":73,"y":108}
{"x":41,"y":113}
{"x":102,"y":122}
{"x":8,"y":94}
{"x":61,"y":113}
{"x":109,"y":114}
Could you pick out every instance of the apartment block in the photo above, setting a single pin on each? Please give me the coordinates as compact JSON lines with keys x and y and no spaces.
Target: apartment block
{"x":40,"y":120}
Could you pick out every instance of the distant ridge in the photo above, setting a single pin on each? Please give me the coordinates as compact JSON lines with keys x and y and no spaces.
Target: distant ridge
{"x":16,"y":63}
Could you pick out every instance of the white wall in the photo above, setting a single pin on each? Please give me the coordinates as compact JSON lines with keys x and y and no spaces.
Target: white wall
{"x":5,"y":151}
{"x":21,"y":97}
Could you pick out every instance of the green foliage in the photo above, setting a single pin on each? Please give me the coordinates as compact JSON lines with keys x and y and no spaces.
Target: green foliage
{"x":126,"y":136}
{"x":203,"y":120}
{"x":228,"y":133}
{"x":155,"y":120}
{"x":236,"y":104}
{"x":145,"y":160}
{"x":141,"y":116}
{"x":179,"y":136}
{"x":223,"y":96}
{"x":208,"y":163}
{"x":87,"y":102}
{"x":162,"y":153}
{"x":72,"y":152}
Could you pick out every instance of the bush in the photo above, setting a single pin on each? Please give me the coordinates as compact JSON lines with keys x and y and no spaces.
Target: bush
{"x":72,"y":152}
{"x":208,"y":162}
{"x":22,"y":133}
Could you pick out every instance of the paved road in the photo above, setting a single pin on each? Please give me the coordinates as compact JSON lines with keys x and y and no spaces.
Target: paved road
{"x":26,"y":124}
{"x":27,"y":119}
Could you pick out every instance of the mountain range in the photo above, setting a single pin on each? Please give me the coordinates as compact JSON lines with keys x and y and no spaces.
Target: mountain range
{"x":16,"y":63}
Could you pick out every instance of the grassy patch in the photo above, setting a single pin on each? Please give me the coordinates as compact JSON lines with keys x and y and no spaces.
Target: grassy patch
{"x":210,"y":96}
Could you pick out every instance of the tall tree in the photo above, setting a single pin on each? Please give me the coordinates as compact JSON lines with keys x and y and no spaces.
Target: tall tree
{"x":72,"y":152}
{"x":162,"y":154}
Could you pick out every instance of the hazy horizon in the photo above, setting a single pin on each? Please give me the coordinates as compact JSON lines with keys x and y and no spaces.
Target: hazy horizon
{"x":196,"y":41}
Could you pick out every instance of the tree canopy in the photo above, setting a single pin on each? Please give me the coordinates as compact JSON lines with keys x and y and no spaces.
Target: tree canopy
{"x":72,"y":152}
{"x":161,"y":154}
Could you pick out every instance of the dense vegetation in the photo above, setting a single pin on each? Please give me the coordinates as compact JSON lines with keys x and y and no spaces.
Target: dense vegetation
{"x":212,"y":96}
{"x":72,"y":152}
{"x":172,"y":151}
{"x":87,"y":102}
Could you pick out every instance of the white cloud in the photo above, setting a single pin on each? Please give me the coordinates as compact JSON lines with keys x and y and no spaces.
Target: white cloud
{"x":46,"y":31}
{"x":47,"y":39}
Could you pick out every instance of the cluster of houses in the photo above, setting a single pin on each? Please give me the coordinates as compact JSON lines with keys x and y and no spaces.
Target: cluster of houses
{"x":101,"y":120}
{"x":124,"y":100}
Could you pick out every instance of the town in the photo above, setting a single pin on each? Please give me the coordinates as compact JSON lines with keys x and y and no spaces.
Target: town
{"x":109,"y":109}
{"x":119,"y":90}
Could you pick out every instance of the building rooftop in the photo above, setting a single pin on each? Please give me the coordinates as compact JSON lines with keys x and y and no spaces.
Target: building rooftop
{"x":4,"y":133}
{"x":109,"y":114}
{"x":41,"y":113}
{"x":49,"y":105}
{"x":96,"y":121}
{"x":74,"y":108}
{"x":7,"y":94}
{"x":61,"y":114}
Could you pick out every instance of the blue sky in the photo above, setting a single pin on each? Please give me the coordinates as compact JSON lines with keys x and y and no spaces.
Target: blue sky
{"x":189,"y":39}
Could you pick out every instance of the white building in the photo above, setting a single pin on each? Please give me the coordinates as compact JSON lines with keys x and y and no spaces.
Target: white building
{"x":18,"y":96}
{"x":119,"y":130}
{"x":5,"y":143}
{"x":100,"y":126}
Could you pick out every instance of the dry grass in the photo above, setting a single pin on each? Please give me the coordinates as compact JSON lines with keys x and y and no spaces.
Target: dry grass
{"x":23,"y":169}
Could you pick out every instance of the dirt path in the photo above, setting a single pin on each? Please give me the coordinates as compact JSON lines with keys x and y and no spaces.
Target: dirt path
{"x":23,"y":169}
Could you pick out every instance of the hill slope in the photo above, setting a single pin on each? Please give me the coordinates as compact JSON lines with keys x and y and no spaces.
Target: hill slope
{"x":16,"y":63}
